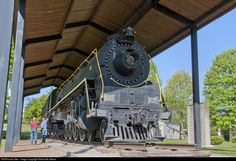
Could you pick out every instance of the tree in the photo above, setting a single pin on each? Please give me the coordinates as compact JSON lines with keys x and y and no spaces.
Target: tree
{"x":11,"y":61}
{"x":178,"y":95}
{"x":220,"y":91}
{"x":10,"y":78}
{"x":153,"y":74}
{"x":34,"y":108}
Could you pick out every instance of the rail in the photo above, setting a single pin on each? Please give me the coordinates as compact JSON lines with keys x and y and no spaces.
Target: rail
{"x":126,"y":145}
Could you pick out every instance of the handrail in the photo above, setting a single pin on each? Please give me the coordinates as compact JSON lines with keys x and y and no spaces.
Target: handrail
{"x":100,"y":72}
{"x":156,"y":77}
{"x":77,"y":69}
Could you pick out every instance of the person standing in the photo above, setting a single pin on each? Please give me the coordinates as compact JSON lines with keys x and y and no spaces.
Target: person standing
{"x":44,"y":129}
{"x":33,"y":131}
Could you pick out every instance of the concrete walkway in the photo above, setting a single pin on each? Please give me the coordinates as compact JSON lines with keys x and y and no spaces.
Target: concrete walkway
{"x":58,"y":148}
{"x":25,"y":149}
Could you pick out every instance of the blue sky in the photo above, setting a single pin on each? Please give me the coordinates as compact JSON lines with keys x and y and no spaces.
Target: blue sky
{"x":213,"y":39}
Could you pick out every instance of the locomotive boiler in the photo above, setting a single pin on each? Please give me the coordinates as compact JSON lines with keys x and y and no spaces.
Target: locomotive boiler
{"x":109,"y":97}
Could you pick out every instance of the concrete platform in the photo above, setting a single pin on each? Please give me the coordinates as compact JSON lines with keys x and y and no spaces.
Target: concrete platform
{"x":58,"y":148}
{"x":25,"y":149}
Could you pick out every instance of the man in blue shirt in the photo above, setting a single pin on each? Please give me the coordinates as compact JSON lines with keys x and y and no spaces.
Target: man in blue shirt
{"x":44,"y":129}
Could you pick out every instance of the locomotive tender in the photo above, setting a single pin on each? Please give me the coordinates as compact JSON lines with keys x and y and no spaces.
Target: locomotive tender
{"x":109,"y":97}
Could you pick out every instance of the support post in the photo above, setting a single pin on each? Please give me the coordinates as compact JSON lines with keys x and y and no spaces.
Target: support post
{"x":19,"y":104}
{"x":196,"y":94}
{"x":6,"y":17}
{"x":15,"y":79}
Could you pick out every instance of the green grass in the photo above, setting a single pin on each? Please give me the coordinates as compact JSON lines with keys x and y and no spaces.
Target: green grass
{"x":25,"y":127}
{"x":227,"y":148}
{"x":175,"y":141}
{"x":3,"y":141}
{"x":172,"y":141}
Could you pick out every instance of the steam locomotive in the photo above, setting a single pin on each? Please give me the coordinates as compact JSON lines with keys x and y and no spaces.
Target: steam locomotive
{"x":108,"y":98}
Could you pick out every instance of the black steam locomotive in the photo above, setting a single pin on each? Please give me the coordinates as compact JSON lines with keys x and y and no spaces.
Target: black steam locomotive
{"x":108,"y":97}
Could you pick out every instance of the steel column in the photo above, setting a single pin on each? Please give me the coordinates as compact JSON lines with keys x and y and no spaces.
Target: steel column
{"x":195,"y":82}
{"x":21,"y":114}
{"x":19,"y":104}
{"x":15,"y":78}
{"x":6,"y":18}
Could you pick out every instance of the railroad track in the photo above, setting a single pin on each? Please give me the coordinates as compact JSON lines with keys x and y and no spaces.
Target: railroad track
{"x":135,"y":149}
{"x":127,"y":146}
{"x":176,"y":147}
{"x":134,"y":146}
{"x":114,"y":145}
{"x":74,"y":142}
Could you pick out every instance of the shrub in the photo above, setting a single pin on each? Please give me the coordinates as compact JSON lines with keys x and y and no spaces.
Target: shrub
{"x":217,"y":140}
{"x":233,"y":139}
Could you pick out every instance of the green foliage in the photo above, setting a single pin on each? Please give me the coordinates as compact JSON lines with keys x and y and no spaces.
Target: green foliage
{"x":220,"y":90}
{"x":11,"y":61}
{"x":34,"y":108}
{"x":153,"y":75}
{"x":217,"y":140}
{"x":233,"y":139}
{"x":10,"y":76}
{"x":7,"y":108}
{"x":178,"y":95}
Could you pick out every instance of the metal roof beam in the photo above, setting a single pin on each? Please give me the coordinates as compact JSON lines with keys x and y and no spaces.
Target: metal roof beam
{"x":168,"y":39}
{"x":76,"y":24}
{"x":64,"y":51}
{"x":101,"y":28}
{"x":90,"y":23}
{"x":42,"y":39}
{"x":208,"y":13}
{"x":173,"y":14}
{"x":214,"y":9}
{"x":55,"y":77}
{"x":35,"y":77}
{"x":72,"y":49}
{"x":81,"y":52}
{"x":62,"y":66}
{"x":36,"y":86}
{"x":55,"y":67}
{"x":69,"y":67}
{"x":31,"y":93}
{"x":38,"y":63}
{"x":142,"y":10}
